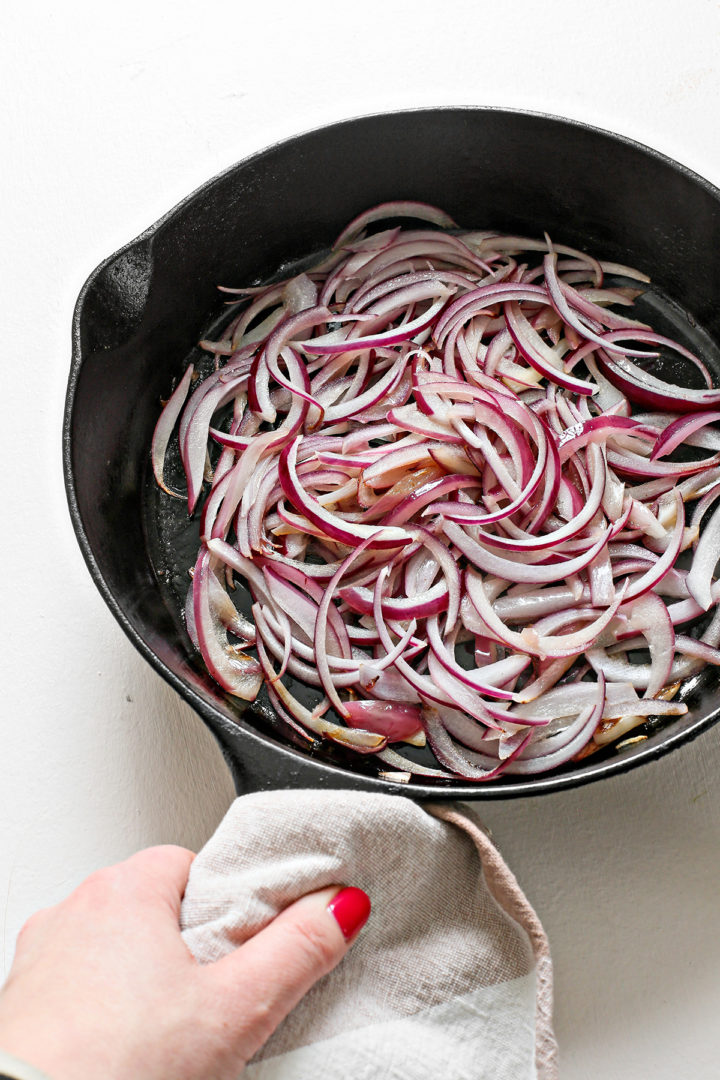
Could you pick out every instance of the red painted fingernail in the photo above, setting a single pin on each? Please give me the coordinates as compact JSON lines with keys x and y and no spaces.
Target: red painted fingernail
{"x":351,"y":909}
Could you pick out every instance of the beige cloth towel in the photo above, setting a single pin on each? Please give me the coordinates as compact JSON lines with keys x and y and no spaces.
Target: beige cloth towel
{"x":450,"y":978}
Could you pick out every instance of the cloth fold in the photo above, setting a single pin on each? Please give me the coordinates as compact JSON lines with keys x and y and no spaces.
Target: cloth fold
{"x":452,"y":975}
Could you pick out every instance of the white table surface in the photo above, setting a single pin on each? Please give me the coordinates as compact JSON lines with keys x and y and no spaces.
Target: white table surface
{"x":110,"y":115}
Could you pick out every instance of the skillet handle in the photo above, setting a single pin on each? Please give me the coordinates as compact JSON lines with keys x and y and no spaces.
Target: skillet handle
{"x":259,"y":765}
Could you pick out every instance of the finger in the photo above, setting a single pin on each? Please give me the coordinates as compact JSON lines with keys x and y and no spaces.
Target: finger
{"x":153,"y":879}
{"x":141,"y":894}
{"x":159,"y":875}
{"x":281,"y":963}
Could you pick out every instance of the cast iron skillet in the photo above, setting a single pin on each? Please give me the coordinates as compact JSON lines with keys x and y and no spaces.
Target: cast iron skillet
{"x":141,"y":312}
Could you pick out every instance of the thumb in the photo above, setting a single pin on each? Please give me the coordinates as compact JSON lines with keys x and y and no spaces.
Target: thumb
{"x":280,"y":963}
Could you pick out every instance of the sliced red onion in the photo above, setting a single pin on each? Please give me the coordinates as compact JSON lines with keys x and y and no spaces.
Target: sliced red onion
{"x":235,"y":671}
{"x":359,"y":739}
{"x":465,"y":764}
{"x":689,"y":646}
{"x":577,"y":523}
{"x":655,"y":574}
{"x":680,"y":430}
{"x":538,"y":574}
{"x":573,"y":740}
{"x":193,"y":443}
{"x":401,"y":492}
{"x":537,"y":643}
{"x":431,"y":602}
{"x":645,"y":389}
{"x":707,"y":553}
{"x":539,"y":355}
{"x":299,"y":294}
{"x":334,"y":527}
{"x":559,"y":300}
{"x":164,"y":427}
{"x":328,"y":345}
{"x":396,"y":209}
{"x":486,"y":680}
{"x":649,"y":615}
{"x":303,"y":612}
{"x":398,"y":722}
{"x":406,"y":768}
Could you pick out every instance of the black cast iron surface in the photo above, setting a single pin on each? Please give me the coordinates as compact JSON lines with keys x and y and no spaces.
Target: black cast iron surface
{"x":142,"y":311}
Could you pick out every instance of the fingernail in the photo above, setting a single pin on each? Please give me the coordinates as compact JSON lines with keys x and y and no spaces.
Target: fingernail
{"x":351,"y":909}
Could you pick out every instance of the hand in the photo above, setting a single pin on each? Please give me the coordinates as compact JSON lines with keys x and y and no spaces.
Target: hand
{"x":102,"y":985}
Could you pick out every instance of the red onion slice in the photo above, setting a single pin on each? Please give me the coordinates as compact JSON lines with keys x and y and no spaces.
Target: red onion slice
{"x":235,"y":671}
{"x":330,"y":524}
{"x":539,"y":355}
{"x":680,"y":430}
{"x":707,"y":553}
{"x":559,"y":301}
{"x":327,"y":347}
{"x":645,"y":389}
{"x":579,"y":735}
{"x":396,"y":209}
{"x":165,"y":425}
{"x":397,"y":722}
{"x":479,"y":556}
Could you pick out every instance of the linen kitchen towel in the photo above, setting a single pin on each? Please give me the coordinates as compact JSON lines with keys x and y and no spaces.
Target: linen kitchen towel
{"x":450,"y":978}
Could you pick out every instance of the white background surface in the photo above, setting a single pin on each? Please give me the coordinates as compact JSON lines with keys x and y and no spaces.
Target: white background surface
{"x":109,"y":116}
